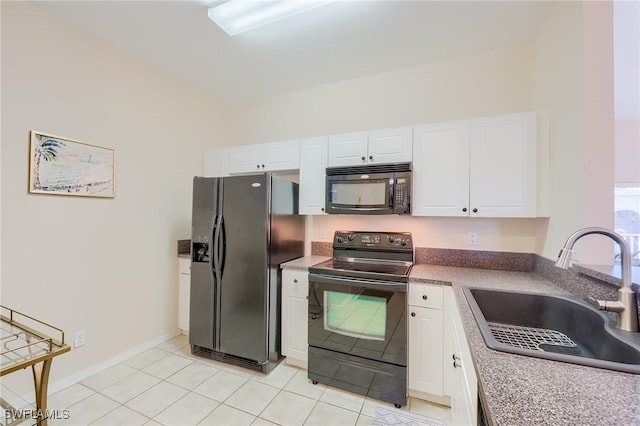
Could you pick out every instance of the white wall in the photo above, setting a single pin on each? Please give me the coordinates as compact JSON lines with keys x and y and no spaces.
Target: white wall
{"x":627,"y":151}
{"x":573,"y":81}
{"x":104,"y":265}
{"x":488,"y":83}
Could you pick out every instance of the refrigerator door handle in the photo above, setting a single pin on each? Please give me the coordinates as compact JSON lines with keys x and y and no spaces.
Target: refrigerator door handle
{"x":212,"y":252}
{"x":223,"y":247}
{"x":216,"y":248}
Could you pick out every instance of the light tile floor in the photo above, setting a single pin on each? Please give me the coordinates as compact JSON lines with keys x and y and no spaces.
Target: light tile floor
{"x":168,"y":386}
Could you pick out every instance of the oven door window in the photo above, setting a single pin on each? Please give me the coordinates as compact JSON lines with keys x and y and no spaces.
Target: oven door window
{"x":355,"y":315}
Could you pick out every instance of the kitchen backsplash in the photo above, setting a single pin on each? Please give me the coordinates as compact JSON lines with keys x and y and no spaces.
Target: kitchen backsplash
{"x":475,"y":259}
{"x":320,"y":248}
{"x":461,"y":258}
{"x":184,"y":247}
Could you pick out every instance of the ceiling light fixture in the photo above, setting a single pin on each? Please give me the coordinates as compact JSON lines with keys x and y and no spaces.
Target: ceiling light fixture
{"x":238,"y":16}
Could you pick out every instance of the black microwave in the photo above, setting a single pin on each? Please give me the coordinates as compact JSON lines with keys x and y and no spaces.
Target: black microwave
{"x":376,"y":189}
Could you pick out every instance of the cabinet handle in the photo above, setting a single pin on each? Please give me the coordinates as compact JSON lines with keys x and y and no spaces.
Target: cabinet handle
{"x":363,"y":158}
{"x":425,"y":297}
{"x":457,"y":362}
{"x":475,"y":210}
{"x":464,"y":209}
{"x":257,"y":166}
{"x":321,"y":208}
{"x":263,"y":166}
{"x":371,"y":157}
{"x":413,"y":314}
{"x":295,"y":280}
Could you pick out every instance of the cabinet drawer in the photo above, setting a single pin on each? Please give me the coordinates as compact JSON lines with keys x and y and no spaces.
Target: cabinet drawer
{"x":184,"y":265}
{"x":426,"y":295}
{"x":295,"y":283}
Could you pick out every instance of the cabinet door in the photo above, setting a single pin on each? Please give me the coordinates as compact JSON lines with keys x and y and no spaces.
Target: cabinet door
{"x":425,"y":350}
{"x":184,"y":290}
{"x":390,"y":146}
{"x":245,"y":159}
{"x":441,"y":169}
{"x":313,"y":163}
{"x":348,"y":150}
{"x":464,"y":392}
{"x":283,"y":155}
{"x":184,"y":284}
{"x":503,"y":166}
{"x":294,"y":332}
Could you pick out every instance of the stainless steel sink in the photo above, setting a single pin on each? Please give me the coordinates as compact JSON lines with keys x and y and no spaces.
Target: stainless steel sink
{"x":560,"y":328}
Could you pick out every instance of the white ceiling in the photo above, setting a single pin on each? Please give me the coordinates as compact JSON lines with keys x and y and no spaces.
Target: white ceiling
{"x":342,"y":40}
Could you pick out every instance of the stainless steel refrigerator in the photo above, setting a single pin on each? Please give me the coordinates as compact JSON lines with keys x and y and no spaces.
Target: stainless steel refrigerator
{"x":243,"y":228}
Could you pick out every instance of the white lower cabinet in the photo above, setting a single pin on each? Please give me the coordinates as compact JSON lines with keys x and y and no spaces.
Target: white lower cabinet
{"x":426,"y":335}
{"x":184,"y":291}
{"x":294,"y":330}
{"x":461,"y":372}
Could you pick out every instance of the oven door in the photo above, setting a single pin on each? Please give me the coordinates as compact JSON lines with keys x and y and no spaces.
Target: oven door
{"x":358,"y":336}
{"x":360,"y":194}
{"x":363,"y":318}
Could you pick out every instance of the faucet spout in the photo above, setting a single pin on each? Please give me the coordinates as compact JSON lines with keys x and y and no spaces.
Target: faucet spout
{"x":627,"y":305}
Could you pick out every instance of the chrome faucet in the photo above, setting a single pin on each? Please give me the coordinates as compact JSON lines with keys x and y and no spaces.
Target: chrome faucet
{"x":627,"y":305}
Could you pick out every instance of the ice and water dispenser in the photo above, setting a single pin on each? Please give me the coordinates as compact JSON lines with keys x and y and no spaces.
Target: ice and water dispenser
{"x":200,"y":252}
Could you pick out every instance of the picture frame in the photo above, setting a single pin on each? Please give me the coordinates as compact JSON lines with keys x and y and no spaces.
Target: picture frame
{"x":64,"y":166}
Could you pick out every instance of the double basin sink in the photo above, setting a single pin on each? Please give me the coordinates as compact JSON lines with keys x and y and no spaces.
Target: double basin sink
{"x":560,"y":328}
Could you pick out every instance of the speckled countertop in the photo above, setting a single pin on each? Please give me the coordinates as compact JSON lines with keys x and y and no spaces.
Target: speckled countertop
{"x":518,"y":390}
{"x":303,"y":263}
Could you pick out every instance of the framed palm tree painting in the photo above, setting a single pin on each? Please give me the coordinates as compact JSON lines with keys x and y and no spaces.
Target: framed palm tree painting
{"x":62,"y":166}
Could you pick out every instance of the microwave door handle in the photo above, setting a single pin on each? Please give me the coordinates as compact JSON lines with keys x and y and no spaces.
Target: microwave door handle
{"x":391,"y":186}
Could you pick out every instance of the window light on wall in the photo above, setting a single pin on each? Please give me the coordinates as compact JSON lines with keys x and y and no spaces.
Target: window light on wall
{"x":238,"y":16}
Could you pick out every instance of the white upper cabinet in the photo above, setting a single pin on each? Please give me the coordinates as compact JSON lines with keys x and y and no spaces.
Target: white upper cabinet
{"x":348,"y":150}
{"x":313,"y":163}
{"x":245,"y":159}
{"x":283,"y":155}
{"x":375,"y":147}
{"x":390,"y":146}
{"x":486,"y":167}
{"x":265,"y":157}
{"x":441,"y":169}
{"x":503,"y":167}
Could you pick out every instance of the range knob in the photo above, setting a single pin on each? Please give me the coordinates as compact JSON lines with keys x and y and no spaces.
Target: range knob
{"x":340,"y":239}
{"x":403,"y":243}
{"x":351,"y":237}
{"x":392,"y":239}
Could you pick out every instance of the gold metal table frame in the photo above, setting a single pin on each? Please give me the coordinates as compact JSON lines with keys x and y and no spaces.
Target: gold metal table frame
{"x":28,"y":342}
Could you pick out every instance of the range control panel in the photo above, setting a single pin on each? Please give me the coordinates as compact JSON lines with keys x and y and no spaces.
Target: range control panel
{"x":377,"y":240}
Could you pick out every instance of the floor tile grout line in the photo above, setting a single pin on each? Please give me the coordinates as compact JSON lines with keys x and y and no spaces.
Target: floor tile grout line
{"x":183,"y":396}
{"x":120,"y":405}
{"x":220,"y":367}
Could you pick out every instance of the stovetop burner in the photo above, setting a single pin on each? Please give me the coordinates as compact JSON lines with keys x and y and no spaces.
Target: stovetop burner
{"x":369,"y":255}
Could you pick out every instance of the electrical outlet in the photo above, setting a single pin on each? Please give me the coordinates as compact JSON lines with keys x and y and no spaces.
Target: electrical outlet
{"x":473,"y":238}
{"x":79,"y":338}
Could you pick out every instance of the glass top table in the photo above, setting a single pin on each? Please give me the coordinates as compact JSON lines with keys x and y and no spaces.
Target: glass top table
{"x":29,"y":342}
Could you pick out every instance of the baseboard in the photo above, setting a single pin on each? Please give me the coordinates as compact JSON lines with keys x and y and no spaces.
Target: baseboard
{"x":441,"y":400}
{"x":296,"y":362}
{"x":88,"y":372}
